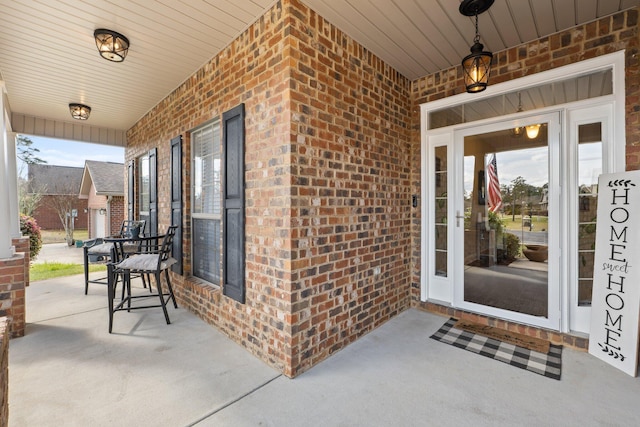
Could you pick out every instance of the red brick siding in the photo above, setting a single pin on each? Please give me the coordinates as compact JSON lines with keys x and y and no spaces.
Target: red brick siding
{"x":327,"y":185}
{"x":117,"y":213}
{"x":350,"y":190}
{"x":4,"y":372}
{"x":48,"y":219}
{"x":332,"y":159}
{"x":253,"y":70}
{"x":22,"y":245}
{"x":12,"y":283}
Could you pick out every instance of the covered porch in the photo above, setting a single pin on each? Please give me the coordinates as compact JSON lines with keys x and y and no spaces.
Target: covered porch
{"x":68,"y":371}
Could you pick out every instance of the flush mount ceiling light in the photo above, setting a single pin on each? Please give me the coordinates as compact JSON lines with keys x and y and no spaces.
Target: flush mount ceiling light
{"x":477,"y":65}
{"x":79,"y":111}
{"x":111,"y":45}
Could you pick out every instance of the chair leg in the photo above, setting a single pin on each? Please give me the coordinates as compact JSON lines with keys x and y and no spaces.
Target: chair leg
{"x":148,"y":281}
{"x":86,"y":270}
{"x":158,"y":276}
{"x":126,"y":283}
{"x":110,"y":294}
{"x":172,"y":295}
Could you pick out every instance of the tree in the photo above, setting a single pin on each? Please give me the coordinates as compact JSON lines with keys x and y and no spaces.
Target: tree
{"x":518,"y":192}
{"x":63,"y":204}
{"x":28,"y":197}
{"x":507,"y":200}
{"x":27,"y":152}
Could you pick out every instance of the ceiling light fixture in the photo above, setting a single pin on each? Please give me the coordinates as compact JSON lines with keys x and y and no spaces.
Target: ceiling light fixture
{"x":79,"y":111}
{"x":532,"y":131}
{"x":477,"y":65}
{"x":111,"y":45}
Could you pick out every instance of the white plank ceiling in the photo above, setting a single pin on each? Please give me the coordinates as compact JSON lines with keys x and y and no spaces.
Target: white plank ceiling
{"x":48,"y":57}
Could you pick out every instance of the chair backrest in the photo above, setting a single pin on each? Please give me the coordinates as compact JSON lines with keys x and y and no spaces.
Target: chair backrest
{"x":167,"y":244}
{"x":128,"y":226}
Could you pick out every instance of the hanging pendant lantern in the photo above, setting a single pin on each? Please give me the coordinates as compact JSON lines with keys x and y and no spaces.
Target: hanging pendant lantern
{"x":477,"y":65}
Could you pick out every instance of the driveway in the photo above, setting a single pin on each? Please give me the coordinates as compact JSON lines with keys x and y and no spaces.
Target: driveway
{"x":59,"y":252}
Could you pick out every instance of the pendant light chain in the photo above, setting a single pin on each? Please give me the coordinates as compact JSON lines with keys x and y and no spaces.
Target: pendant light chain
{"x":476,"y":39}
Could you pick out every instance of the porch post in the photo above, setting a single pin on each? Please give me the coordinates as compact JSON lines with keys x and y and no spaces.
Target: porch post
{"x":12,"y":182}
{"x":6,"y":250}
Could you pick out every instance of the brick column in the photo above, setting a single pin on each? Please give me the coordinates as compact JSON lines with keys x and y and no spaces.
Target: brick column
{"x":22,"y":245}
{"x":12,"y":295}
{"x":4,"y":372}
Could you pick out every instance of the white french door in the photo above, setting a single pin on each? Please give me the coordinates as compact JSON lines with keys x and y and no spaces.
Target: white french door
{"x":506,"y":249}
{"x":475,"y":259}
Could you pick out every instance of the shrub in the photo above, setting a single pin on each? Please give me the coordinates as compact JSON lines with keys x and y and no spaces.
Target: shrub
{"x":29,"y":227}
{"x":495,"y":222}
{"x":511,"y":246}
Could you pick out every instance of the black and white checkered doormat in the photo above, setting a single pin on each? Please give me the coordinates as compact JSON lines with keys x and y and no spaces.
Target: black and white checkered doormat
{"x":548,"y":364}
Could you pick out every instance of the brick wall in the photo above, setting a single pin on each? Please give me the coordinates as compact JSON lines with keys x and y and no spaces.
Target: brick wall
{"x":12,"y":283}
{"x":607,"y":35}
{"x":350,"y":190}
{"x":332,"y":159}
{"x":327,"y":185}
{"x":22,"y":245}
{"x":4,"y":372}
{"x":253,"y":70}
{"x":117,"y":213}
{"x":48,"y":219}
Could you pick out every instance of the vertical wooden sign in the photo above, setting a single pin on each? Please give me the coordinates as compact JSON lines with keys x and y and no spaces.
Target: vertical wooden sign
{"x":615,"y":307}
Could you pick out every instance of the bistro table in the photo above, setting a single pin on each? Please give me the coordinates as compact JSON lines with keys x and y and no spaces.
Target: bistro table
{"x":149,"y":248}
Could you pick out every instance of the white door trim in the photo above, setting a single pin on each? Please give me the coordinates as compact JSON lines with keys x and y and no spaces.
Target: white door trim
{"x":615,"y":153}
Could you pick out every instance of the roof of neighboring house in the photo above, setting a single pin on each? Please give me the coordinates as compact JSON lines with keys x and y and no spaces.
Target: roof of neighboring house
{"x":107,"y":177}
{"x":54,"y":180}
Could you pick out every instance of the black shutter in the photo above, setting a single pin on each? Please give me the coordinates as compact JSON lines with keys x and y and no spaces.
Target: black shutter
{"x":176,"y":201}
{"x":233,"y":208}
{"x":153,"y":191}
{"x":130,"y":189}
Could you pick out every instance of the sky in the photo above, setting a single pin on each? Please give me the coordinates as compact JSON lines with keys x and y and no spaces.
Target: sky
{"x":60,"y":152}
{"x":533,"y":165}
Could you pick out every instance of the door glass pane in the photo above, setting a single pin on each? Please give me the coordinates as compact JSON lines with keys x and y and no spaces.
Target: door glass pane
{"x":145,"y":184}
{"x":441,"y":206}
{"x":506,"y":179}
{"x":577,"y":88}
{"x":589,"y":168}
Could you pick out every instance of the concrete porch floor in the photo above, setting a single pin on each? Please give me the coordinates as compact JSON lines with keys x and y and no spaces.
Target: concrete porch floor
{"x":69,"y":371}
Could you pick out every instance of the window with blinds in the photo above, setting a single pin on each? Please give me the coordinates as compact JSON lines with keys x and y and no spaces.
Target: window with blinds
{"x":206,"y":206}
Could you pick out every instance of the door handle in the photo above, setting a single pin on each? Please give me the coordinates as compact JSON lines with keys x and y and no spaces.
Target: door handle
{"x":458,"y":218}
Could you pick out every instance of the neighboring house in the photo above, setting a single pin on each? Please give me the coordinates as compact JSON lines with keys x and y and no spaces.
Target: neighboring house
{"x":102,"y":188}
{"x":52,"y":182}
{"x":328,"y":153}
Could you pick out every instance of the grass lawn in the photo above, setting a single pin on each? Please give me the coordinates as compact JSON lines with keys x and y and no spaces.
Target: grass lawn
{"x":50,"y":270}
{"x":57,"y":236}
{"x":539,"y":222}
